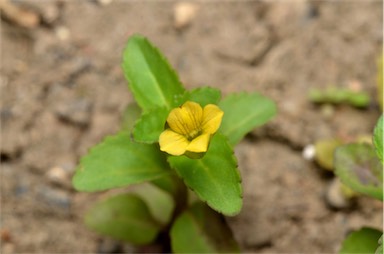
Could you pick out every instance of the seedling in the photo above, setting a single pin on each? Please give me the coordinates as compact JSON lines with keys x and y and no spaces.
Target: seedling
{"x":178,"y":145}
{"x":360,"y":167}
{"x":334,"y":95}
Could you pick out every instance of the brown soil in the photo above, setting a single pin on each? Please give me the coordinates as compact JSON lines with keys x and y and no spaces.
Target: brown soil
{"x":63,"y":90}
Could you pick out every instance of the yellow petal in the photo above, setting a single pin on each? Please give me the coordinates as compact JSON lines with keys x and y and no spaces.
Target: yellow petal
{"x":172,"y":142}
{"x":199,"y":144}
{"x":212,"y":116}
{"x":186,"y":119}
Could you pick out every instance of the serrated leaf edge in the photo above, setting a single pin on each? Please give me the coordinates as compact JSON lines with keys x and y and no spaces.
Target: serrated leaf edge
{"x":143,"y":119}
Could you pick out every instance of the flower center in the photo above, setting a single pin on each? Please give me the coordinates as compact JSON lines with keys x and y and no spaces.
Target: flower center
{"x":193,"y":134}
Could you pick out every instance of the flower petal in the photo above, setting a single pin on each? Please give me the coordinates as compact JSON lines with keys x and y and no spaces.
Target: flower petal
{"x":172,"y":142}
{"x":186,"y":119}
{"x":212,"y":116}
{"x":199,"y":144}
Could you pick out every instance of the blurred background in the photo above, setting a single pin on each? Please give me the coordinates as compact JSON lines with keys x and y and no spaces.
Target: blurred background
{"x":63,"y":90}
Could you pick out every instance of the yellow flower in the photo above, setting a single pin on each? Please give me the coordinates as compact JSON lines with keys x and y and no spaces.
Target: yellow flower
{"x":190,"y":128}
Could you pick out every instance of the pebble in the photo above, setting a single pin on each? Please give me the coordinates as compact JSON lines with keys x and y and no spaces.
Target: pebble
{"x":104,"y":2}
{"x":20,"y":190}
{"x":77,"y":111}
{"x":50,"y":12}
{"x":5,"y":235}
{"x":335,"y":197}
{"x":54,"y":197}
{"x":184,"y":13}
{"x":19,"y":14}
{"x":63,"y":33}
{"x":60,"y":176}
{"x":309,"y":152}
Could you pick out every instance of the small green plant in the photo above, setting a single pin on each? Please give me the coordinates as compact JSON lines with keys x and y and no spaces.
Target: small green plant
{"x":360,"y":167}
{"x":178,"y":145}
{"x":334,"y":95}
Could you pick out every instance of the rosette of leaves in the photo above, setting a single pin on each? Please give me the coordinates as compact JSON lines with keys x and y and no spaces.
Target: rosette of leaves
{"x":161,"y":204}
{"x":360,"y":167}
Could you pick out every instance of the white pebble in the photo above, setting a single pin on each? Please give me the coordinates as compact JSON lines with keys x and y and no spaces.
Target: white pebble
{"x":309,"y":152}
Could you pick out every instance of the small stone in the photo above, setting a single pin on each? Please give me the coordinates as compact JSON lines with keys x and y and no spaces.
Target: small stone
{"x":20,"y":189}
{"x":5,"y":235}
{"x":184,"y":13}
{"x":355,"y":85}
{"x":19,"y":15}
{"x":77,"y":112}
{"x":54,"y":197}
{"x":58,"y":175}
{"x":62,"y":33}
{"x":309,"y":152}
{"x":50,"y":13}
{"x":335,"y":197}
{"x":104,"y":2}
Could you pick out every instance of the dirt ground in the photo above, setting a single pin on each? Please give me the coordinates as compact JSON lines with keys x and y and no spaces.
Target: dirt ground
{"x":62,"y":91}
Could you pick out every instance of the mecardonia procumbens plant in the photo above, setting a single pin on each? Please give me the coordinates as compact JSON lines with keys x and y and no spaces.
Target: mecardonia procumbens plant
{"x":360,"y":167}
{"x":172,"y":138}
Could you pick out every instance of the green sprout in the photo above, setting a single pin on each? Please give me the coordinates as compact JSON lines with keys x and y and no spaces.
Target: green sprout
{"x":334,"y":95}
{"x":175,"y":155}
{"x":360,"y":167}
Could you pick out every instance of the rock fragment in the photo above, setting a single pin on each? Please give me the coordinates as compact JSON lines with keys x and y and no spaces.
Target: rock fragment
{"x":184,"y":13}
{"x":19,"y":15}
{"x":335,"y":197}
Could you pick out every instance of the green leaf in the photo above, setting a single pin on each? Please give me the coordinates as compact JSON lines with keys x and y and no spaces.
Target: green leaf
{"x":378,"y":138}
{"x":173,"y":185}
{"x":243,"y":112}
{"x":364,"y":240}
{"x":337,"y":95}
{"x":150,"y":77}
{"x":170,"y":183}
{"x":118,"y":162}
{"x":159,"y":202}
{"x":202,"y":95}
{"x":359,"y":99}
{"x":124,"y":217}
{"x":131,"y":113}
{"x":215,"y":177}
{"x":149,"y":127}
{"x":379,"y":249}
{"x":201,"y":230}
{"x":359,"y":168}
